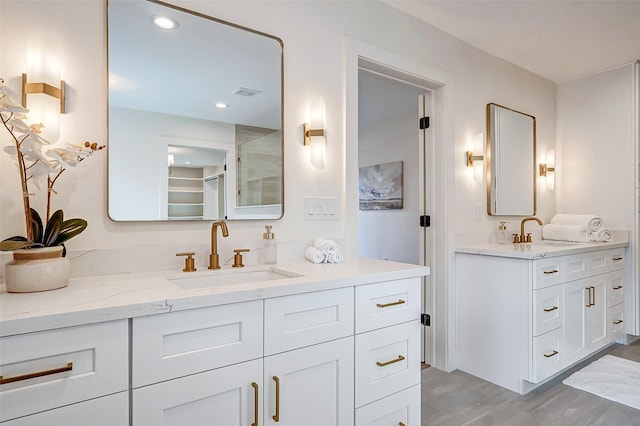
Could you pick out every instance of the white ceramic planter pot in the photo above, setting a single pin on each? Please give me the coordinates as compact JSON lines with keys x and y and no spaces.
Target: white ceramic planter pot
{"x":38,"y":269}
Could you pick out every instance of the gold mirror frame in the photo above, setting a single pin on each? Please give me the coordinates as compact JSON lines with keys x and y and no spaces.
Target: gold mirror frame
{"x":512,"y":165}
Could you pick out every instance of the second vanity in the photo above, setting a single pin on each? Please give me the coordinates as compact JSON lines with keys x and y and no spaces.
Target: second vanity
{"x":308,"y":344}
{"x":526,"y":312}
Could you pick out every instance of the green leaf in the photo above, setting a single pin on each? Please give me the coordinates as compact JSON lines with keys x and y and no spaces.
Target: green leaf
{"x":14,"y":243}
{"x":69,"y":229}
{"x":53,"y":229}
{"x":36,"y":226}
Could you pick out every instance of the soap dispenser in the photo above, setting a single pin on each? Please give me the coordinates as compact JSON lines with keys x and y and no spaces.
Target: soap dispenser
{"x":502,"y":235}
{"x":269,"y":252}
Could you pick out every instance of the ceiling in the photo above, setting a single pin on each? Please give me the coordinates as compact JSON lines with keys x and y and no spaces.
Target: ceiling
{"x":556,"y":39}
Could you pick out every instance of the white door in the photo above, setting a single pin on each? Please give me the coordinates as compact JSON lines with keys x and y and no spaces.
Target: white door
{"x":312,"y":386}
{"x":389,"y":113}
{"x":229,"y":396}
{"x":576,"y":299}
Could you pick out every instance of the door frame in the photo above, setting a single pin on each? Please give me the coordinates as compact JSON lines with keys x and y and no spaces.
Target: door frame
{"x":406,"y":69}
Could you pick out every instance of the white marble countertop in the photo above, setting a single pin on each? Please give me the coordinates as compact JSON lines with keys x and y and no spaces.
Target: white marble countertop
{"x":536,"y":250}
{"x":110,"y":297}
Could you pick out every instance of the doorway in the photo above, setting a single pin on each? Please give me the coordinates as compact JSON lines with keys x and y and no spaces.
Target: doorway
{"x":389,"y":138}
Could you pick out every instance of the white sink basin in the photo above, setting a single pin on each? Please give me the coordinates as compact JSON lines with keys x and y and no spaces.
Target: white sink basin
{"x":231,"y":277}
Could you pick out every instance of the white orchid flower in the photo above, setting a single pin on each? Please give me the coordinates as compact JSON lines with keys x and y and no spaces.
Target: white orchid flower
{"x":39,"y":172}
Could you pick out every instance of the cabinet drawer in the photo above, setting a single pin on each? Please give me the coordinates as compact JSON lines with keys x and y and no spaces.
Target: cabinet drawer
{"x":547,"y":356}
{"x":615,"y":288}
{"x":606,"y":261}
{"x":72,"y":364}
{"x":548,"y":272}
{"x":615,"y":321}
{"x":547,"y":309}
{"x":387,"y":303}
{"x":110,"y":410}
{"x":389,"y":361}
{"x":171,"y":345}
{"x":306,"y":319}
{"x":400,"y":408}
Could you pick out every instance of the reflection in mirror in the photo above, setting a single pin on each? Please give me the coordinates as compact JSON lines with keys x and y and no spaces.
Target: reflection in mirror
{"x":164,"y":85}
{"x":511,"y":152}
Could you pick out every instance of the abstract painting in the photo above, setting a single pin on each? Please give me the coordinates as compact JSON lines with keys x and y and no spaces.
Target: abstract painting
{"x":381,"y":186}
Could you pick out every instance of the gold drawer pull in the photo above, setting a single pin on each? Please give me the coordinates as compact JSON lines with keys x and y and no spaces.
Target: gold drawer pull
{"x":553,"y":308}
{"x":554,"y":271}
{"x":616,"y":322}
{"x":256,"y":395}
{"x":618,"y":258}
{"x":554,"y":353}
{"x":618,"y":287}
{"x":386,"y":305}
{"x":4,"y":381}
{"x":401,"y":424}
{"x":276,"y":416}
{"x":393,"y":361}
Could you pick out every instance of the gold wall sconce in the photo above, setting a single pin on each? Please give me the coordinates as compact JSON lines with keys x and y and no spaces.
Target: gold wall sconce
{"x":471,"y":158}
{"x":544,"y":169}
{"x":47,"y":89}
{"x":548,"y":168}
{"x":314,"y":134}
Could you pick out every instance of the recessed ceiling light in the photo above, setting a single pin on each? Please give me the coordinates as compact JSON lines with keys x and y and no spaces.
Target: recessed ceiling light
{"x":165,"y":22}
{"x":221,"y":105}
{"x":187,"y":162}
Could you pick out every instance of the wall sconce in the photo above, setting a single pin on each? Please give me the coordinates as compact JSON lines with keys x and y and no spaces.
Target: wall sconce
{"x":314,"y":133}
{"x":47,"y":89}
{"x":45,"y":101}
{"x":546,"y":169}
{"x":471,"y":159}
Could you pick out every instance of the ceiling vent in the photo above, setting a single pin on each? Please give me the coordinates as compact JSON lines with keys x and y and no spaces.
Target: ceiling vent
{"x":247,"y":92}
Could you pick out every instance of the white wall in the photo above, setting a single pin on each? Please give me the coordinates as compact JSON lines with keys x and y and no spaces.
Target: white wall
{"x":315,"y":35}
{"x":596,"y":165}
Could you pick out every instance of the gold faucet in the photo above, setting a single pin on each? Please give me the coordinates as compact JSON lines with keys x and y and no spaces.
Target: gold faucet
{"x":526,"y":238}
{"x":214,"y":258}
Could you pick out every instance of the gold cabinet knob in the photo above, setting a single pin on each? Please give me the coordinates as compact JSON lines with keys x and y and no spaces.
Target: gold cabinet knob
{"x":189,"y":262}
{"x":237,"y":258}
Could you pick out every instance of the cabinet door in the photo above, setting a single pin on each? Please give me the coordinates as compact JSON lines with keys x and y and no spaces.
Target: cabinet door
{"x":111,"y":410}
{"x":585,"y":321}
{"x":229,"y":396}
{"x":576,"y":299}
{"x":312,"y":386}
{"x":596,"y":317}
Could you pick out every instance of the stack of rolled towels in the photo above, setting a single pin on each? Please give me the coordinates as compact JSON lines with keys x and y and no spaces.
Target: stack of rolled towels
{"x":324,"y":251}
{"x":581,"y":228}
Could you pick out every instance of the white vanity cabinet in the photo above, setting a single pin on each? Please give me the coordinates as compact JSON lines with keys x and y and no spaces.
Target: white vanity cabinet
{"x":46,"y":370}
{"x":337,"y":349}
{"x":521,"y":321}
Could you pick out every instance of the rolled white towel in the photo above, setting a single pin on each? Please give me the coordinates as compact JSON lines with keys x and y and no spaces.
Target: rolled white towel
{"x":335,"y":257}
{"x":314,"y":255}
{"x":602,"y":234}
{"x":575,"y":233}
{"x":325,"y":245}
{"x":591,"y":222}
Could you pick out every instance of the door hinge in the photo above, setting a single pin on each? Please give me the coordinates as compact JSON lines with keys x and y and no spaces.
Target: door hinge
{"x":424,"y":123}
{"x":425,"y":319}
{"x":225,"y":167}
{"x":425,"y":221}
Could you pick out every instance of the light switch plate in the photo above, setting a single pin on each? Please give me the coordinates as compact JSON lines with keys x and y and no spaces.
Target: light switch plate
{"x":320,"y":208}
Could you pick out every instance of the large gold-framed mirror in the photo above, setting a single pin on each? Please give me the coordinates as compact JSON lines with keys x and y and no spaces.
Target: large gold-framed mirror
{"x":172,"y":153}
{"x":510,"y":162}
